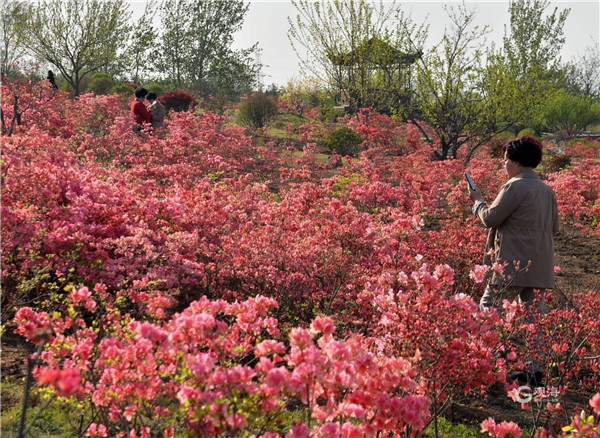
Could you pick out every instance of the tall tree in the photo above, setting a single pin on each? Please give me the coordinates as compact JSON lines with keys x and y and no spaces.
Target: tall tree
{"x":584,"y":72}
{"x":12,"y":16}
{"x":534,"y":39}
{"x":465,"y":94}
{"x":357,"y":47}
{"x":531,"y":48}
{"x":142,"y":51}
{"x":77,"y":36}
{"x":448,"y":87}
{"x":196,"y":46}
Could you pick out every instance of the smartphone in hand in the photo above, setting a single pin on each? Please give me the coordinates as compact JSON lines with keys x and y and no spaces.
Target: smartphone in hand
{"x":472,"y":185}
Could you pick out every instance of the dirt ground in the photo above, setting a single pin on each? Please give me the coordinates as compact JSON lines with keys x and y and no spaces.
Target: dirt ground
{"x":579,"y":257}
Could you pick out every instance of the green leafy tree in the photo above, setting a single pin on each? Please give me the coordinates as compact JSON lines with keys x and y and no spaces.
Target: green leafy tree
{"x":534,"y":39}
{"x":358,"y":48}
{"x":196,"y":48}
{"x":142,"y":52}
{"x":531,"y":48}
{"x":344,"y":141}
{"x":301,"y":93}
{"x":101,"y":83}
{"x":571,"y":114}
{"x":13,"y":14}
{"x":467,"y":92}
{"x":79,"y":37}
{"x":456,"y":101}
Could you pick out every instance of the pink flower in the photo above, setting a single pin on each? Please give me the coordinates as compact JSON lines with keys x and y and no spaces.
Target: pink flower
{"x":67,"y":381}
{"x":477,"y":274}
{"x":97,"y":430}
{"x":128,"y":413}
{"x":498,"y":268}
{"x":352,"y":410}
{"x":269,"y":347}
{"x":237,"y":421}
{"x":595,"y":403}
{"x":349,"y":430}
{"x":330,"y":430}
{"x":323,"y":325}
{"x":502,"y":430}
{"x":444,"y":273}
{"x":557,"y":269}
{"x":300,"y":337}
{"x":80,"y":295}
{"x":298,"y":431}
{"x":276,"y":378}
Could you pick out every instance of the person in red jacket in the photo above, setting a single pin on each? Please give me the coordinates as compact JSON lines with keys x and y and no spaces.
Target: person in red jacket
{"x":140,"y":113}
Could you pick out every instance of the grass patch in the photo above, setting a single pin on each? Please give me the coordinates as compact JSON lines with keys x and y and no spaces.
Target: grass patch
{"x":278,"y":133}
{"x":447,"y":429}
{"x":321,"y":158}
{"x":53,"y":422}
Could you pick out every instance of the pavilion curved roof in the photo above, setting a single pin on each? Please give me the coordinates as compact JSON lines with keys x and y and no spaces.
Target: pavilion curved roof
{"x":378,"y":52}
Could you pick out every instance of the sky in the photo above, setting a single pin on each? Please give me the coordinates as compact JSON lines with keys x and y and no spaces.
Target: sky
{"x":266,"y":23}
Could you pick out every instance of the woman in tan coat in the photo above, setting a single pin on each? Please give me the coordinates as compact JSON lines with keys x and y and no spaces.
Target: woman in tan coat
{"x":522,"y":220}
{"x":157,"y":109}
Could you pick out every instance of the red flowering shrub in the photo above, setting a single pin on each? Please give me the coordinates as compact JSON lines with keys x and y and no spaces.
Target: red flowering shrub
{"x":577,"y":193}
{"x":178,"y":101}
{"x":584,"y":149}
{"x":217,"y":267}
{"x":238,"y":375}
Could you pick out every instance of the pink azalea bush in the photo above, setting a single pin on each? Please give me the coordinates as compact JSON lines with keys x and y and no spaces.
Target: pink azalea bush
{"x":203,"y":281}
{"x":219,"y":367}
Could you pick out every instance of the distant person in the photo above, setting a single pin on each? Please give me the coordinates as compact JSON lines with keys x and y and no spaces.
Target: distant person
{"x":52,"y":79}
{"x":522,"y":221}
{"x":158,"y":111}
{"x":140,"y":113}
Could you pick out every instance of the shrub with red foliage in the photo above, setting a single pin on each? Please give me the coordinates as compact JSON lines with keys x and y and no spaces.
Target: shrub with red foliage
{"x":178,"y":101}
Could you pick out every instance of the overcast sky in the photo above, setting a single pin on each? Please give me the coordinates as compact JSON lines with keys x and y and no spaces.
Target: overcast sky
{"x":266,"y":23}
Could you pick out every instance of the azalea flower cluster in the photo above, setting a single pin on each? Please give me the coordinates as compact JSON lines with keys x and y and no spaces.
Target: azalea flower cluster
{"x":219,"y":368}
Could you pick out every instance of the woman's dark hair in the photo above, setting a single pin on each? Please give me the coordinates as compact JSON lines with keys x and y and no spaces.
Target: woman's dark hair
{"x":151,"y":96}
{"x":526,"y":150}
{"x":141,"y":92}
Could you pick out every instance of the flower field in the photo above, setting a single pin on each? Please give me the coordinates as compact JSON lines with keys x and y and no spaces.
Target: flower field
{"x":204,"y":281}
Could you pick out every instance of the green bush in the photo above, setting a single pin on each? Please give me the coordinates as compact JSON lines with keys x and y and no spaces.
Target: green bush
{"x":122,"y":89}
{"x":556,"y":162}
{"x":344,"y":141}
{"x":155,"y":87}
{"x":527,"y":131}
{"x":257,"y":111}
{"x":328,"y":113}
{"x":101,"y":83}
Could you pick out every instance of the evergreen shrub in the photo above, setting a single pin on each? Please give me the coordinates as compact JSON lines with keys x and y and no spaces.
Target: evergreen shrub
{"x":344,"y":141}
{"x":257,"y":111}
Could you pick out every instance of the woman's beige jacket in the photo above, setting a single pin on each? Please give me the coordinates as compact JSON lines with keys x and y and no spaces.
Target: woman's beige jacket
{"x":522,"y":220}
